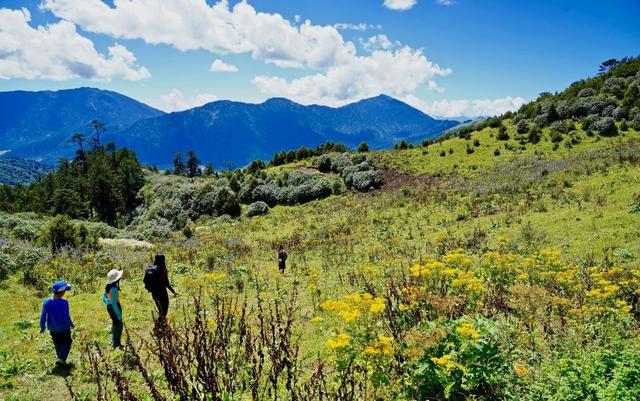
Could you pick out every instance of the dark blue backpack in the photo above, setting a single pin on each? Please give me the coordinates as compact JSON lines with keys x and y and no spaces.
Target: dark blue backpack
{"x":152,"y":280}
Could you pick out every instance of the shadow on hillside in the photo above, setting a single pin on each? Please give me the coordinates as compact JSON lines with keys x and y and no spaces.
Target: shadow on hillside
{"x":62,"y":370}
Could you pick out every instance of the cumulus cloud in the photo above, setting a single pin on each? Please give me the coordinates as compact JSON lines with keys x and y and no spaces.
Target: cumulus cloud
{"x":356,"y":27}
{"x":58,"y":52}
{"x":378,"y":42}
{"x":220,"y":66}
{"x":396,"y":73}
{"x":399,"y":5}
{"x":341,"y":74}
{"x":176,"y":101}
{"x":193,"y":24}
{"x":467,"y":108}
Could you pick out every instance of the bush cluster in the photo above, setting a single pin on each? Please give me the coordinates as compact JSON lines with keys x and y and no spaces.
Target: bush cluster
{"x":357,"y":171}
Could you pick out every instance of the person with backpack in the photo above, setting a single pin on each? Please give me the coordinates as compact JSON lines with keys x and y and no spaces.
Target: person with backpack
{"x":282,"y":259}
{"x":156,"y":281}
{"x":111,"y":298}
{"x":55,"y":317}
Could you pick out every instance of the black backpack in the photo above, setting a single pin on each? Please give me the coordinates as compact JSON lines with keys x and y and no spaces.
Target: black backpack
{"x":152,"y":280}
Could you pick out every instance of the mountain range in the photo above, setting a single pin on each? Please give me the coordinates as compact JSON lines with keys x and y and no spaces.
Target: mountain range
{"x":39,"y":125}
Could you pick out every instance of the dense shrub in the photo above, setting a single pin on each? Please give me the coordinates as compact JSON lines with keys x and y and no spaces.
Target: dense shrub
{"x":25,"y":231}
{"x":6,"y":265}
{"x":605,"y":126}
{"x":614,"y":86}
{"x":620,"y":113}
{"x":366,"y":180}
{"x":556,"y":137}
{"x":503,"y":135}
{"x":61,"y":233}
{"x":522,"y":127}
{"x":563,"y":126}
{"x":363,"y":147}
{"x":258,"y":208}
{"x":587,"y":92}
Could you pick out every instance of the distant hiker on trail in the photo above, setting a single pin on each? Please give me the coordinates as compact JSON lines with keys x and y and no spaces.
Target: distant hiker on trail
{"x":282,"y":259}
{"x":55,"y":315}
{"x":156,"y":281}
{"x":111,"y":298}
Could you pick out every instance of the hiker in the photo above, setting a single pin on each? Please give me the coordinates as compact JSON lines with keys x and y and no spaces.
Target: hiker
{"x":156,"y":281}
{"x":111,"y":298}
{"x":55,"y":314}
{"x":282,"y":259}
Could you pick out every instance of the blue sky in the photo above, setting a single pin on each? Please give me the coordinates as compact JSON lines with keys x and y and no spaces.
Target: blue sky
{"x":446,"y":57}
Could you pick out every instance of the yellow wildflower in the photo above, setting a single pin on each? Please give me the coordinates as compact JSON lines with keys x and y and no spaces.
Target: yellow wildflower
{"x":339,"y":341}
{"x":467,"y":330}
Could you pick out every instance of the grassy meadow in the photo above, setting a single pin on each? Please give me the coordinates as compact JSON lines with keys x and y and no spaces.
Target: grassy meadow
{"x":467,"y":276}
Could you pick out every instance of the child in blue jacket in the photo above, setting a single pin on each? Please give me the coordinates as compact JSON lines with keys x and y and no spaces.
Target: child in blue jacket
{"x":55,"y":317}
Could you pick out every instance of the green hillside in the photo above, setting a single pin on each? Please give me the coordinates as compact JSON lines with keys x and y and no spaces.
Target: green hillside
{"x":499,"y":263}
{"x":20,"y":171}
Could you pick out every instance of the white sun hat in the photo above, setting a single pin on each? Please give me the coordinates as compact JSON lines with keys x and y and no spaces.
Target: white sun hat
{"x":114,"y":275}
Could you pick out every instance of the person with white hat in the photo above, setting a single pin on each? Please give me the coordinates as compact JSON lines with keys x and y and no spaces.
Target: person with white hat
{"x":111,"y":298}
{"x":55,"y":317}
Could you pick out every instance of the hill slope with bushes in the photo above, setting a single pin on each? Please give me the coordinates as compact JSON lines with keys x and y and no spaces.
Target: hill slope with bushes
{"x":487,"y":265}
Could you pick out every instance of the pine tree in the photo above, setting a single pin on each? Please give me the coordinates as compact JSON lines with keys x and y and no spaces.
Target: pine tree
{"x":193,"y":164}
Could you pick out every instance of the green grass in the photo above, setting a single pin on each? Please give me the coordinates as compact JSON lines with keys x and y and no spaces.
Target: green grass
{"x":581,"y":211}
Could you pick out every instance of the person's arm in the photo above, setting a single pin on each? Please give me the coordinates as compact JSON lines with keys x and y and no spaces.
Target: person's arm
{"x":114,"y":302}
{"x":43,"y":317}
{"x":68,"y":315}
{"x":165,"y":278}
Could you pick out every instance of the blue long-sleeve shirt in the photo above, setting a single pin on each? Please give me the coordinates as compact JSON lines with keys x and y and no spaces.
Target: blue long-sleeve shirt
{"x":112,"y":299}
{"x":55,"y":315}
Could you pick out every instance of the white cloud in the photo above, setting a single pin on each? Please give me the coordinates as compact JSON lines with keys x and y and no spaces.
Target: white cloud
{"x":396,"y":73}
{"x":356,"y":27}
{"x":378,"y":42}
{"x":399,"y":5}
{"x":341,"y":74}
{"x":58,"y":52}
{"x":468,"y":108}
{"x":445,"y":2}
{"x":193,"y":24}
{"x":220,"y":66}
{"x":433,"y":86}
{"x":176,"y":101}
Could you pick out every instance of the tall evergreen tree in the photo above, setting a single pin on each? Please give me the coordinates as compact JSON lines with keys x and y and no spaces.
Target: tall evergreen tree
{"x":178,"y":165}
{"x":193,"y":164}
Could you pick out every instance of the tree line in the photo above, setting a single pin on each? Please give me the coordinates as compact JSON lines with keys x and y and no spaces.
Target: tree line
{"x":100,"y":183}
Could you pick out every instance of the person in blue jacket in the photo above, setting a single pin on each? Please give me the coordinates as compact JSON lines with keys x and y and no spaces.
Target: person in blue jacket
{"x":111,"y":298}
{"x":56,"y":318}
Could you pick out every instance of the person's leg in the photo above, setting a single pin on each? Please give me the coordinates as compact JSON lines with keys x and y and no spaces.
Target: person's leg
{"x":65,"y":345}
{"x":162,"y":302}
{"x":117,"y":334}
{"x":57,"y":343}
{"x":116,"y":327}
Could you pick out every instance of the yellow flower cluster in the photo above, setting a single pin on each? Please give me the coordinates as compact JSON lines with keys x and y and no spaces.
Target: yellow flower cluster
{"x":340,"y":341}
{"x":354,"y":305}
{"x":383,"y":345}
{"x":467,"y":330}
{"x":215,"y":276}
{"x":445,"y":360}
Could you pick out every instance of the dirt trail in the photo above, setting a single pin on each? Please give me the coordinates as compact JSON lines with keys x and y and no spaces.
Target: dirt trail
{"x":394,"y":180}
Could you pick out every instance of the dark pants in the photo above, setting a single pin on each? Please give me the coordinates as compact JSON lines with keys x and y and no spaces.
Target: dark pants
{"x":161,"y":299}
{"x":116,"y":326}
{"x":62,"y":342}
